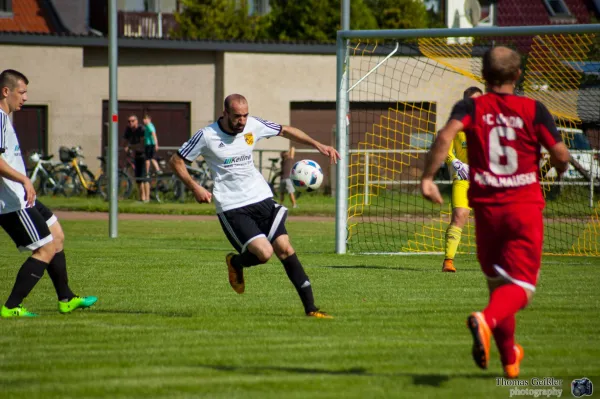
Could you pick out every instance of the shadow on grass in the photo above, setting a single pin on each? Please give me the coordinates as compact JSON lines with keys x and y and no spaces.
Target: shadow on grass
{"x":143,"y":312}
{"x":398,"y":268}
{"x":405,"y":269}
{"x":432,"y":380}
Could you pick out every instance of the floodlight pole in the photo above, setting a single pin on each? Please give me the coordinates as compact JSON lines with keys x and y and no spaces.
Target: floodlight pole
{"x":113,"y":125}
{"x":342,"y":104}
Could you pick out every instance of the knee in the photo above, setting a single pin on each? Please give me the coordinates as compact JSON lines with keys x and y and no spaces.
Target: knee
{"x":264,"y":253}
{"x":285,"y":251}
{"x":58,"y":240}
{"x":45,"y":253}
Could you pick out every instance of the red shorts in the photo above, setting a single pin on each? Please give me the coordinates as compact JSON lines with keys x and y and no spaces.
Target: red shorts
{"x":509,"y":242}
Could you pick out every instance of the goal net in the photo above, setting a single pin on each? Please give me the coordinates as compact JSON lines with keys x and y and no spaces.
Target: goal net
{"x":400,"y":93}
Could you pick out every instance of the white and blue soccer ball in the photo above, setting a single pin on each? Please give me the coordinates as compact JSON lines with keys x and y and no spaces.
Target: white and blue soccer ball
{"x":306,"y":175}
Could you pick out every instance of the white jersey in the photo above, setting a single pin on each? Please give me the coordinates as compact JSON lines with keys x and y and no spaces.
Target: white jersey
{"x":12,"y":194}
{"x":237,"y":182}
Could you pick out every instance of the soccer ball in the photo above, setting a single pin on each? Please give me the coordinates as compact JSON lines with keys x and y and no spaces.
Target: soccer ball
{"x":306,"y":175}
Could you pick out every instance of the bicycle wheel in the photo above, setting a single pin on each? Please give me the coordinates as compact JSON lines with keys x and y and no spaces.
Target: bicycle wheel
{"x":67,"y":182}
{"x":164,"y":188}
{"x":90,"y":186}
{"x":124,"y":186}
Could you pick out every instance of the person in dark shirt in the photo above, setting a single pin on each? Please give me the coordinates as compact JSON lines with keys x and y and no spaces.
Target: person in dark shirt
{"x":134,"y":138}
{"x":286,"y":185}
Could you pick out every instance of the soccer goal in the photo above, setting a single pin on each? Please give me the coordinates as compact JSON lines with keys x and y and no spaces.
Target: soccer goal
{"x":396,"y":89}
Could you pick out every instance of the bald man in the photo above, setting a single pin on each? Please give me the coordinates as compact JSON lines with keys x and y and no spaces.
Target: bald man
{"x":504,"y":134}
{"x":252,"y":221}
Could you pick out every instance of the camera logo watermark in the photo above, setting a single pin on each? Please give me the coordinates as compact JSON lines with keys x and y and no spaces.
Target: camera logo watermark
{"x":582,"y":387}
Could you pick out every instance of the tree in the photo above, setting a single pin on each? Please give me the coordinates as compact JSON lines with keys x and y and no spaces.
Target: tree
{"x":400,"y":14}
{"x":219,"y":20}
{"x":317,"y":20}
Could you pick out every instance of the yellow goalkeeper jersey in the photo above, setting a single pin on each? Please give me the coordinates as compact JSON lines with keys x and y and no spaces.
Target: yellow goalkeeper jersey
{"x":458,"y":149}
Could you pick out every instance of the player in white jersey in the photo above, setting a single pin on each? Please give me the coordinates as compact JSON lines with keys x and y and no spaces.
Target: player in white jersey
{"x":27,"y":221}
{"x":252,"y":221}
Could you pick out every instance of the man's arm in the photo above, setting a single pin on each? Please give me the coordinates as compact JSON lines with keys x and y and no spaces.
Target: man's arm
{"x":155,"y":140}
{"x":559,"y":157}
{"x":178,"y":166}
{"x":10,"y":173}
{"x":437,"y":155}
{"x":299,"y":136}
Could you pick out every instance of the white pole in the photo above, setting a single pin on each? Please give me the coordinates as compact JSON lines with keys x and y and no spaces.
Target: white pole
{"x":367,"y":179}
{"x":341,"y":192}
{"x":113,"y":152}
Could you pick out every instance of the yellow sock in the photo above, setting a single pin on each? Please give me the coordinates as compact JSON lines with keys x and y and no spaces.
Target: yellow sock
{"x":453,"y":234}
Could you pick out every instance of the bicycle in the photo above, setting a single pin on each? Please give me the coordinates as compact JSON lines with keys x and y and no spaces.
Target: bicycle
{"x":77,"y":178}
{"x":42,"y":174}
{"x":274,"y":175}
{"x":168,"y":186}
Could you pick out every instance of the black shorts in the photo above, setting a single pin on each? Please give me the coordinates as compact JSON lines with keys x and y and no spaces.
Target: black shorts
{"x":28,"y":227}
{"x":263,"y":219}
{"x":149,"y":152}
{"x":140,"y":169}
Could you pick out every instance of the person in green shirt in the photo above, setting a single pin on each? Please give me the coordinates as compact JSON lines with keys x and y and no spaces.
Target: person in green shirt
{"x":150,"y":144}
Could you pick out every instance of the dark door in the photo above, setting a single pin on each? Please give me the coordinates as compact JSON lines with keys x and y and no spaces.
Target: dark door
{"x":31,"y":125}
{"x":171,"y":120}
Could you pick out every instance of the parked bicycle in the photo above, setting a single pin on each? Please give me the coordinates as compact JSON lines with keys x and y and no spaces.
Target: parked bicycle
{"x":78,"y":179}
{"x":43,"y":175}
{"x":168,"y":187}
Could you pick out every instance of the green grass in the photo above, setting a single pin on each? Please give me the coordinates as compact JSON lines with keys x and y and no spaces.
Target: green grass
{"x":315,"y":205}
{"x":570,"y":203}
{"x":168,"y":325}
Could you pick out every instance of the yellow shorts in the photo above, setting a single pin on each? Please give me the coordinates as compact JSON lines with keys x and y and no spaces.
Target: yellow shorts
{"x":459,"y":194}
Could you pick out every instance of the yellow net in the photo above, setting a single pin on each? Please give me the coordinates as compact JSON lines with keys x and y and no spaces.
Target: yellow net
{"x":397,"y":105}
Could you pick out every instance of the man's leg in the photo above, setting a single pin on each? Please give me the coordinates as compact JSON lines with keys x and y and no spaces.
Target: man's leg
{"x":57,"y":268}
{"x":460,"y":216}
{"x":29,"y":231}
{"x":293,"y":198}
{"x":295,"y":272}
{"x":453,"y":235}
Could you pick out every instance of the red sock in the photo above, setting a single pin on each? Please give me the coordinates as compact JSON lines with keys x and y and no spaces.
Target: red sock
{"x":505,"y":301}
{"x":504,"y":334}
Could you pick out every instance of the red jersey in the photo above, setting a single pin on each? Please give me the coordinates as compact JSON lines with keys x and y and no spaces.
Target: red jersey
{"x":504,"y":138}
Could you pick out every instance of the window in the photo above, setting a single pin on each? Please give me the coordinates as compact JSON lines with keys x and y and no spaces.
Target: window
{"x":5,"y":7}
{"x":488,"y":13}
{"x":557,"y":7}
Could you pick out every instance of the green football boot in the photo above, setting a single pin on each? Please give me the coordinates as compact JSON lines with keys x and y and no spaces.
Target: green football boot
{"x":75,"y":303}
{"x":19,"y":311}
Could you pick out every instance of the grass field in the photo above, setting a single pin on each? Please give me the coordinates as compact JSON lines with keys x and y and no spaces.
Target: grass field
{"x":168,"y":325}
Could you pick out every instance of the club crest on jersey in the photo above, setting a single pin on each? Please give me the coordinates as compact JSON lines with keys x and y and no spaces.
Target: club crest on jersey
{"x":249,"y":137}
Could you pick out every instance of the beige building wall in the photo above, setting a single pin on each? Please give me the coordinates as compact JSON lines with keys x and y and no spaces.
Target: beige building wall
{"x":73,"y":82}
{"x":271,"y":82}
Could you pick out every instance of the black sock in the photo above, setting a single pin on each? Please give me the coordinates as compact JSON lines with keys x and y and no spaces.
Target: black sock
{"x":296,"y":274}
{"x":57,"y":270}
{"x":30,"y":273}
{"x":246,"y":259}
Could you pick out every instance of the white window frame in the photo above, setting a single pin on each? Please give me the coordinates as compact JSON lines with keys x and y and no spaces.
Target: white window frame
{"x":551,"y":11}
{"x":489,"y":20}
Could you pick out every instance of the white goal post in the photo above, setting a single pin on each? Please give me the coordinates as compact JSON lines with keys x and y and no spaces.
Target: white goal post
{"x":345,"y":88}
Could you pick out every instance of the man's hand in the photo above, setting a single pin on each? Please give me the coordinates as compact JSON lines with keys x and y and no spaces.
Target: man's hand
{"x":29,"y":192}
{"x":462,"y":169}
{"x":328,"y":151}
{"x":202,"y":195}
{"x":431,"y":192}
